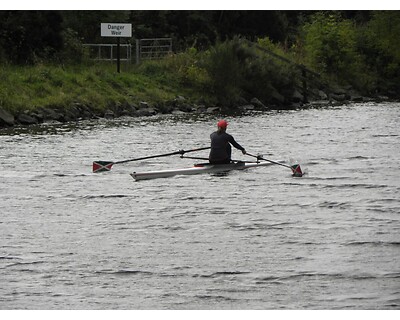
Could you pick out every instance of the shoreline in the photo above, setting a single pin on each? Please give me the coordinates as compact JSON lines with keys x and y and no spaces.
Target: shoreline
{"x":180,"y":105}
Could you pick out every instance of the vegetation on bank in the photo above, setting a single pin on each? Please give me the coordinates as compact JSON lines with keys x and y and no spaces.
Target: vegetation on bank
{"x":362,"y":55}
{"x":95,"y":85}
{"x":224,"y":75}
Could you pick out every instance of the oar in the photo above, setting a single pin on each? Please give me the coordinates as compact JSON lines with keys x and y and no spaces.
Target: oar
{"x":100,"y":166}
{"x":295,"y":168}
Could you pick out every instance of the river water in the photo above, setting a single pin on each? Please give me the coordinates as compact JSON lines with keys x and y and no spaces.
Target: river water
{"x":255,"y":239}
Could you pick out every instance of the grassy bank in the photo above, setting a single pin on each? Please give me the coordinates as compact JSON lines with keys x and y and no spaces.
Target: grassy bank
{"x":223,"y":75}
{"x":97,"y":85}
{"x":342,"y":56}
{"x":229,"y":74}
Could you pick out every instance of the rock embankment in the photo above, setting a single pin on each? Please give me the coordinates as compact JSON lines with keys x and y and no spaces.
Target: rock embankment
{"x":78,"y":111}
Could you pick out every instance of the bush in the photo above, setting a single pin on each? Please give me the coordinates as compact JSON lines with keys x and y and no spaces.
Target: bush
{"x":239,"y":70}
{"x":225,"y":63}
{"x":73,"y":51}
{"x":271,"y":74}
{"x":189,"y":68}
{"x":378,"y":43}
{"x":330,"y":45}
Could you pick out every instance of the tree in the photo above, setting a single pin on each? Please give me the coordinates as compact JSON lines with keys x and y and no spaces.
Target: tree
{"x":378,"y":42}
{"x":86,"y":24}
{"x":29,"y":36}
{"x":330,"y":44}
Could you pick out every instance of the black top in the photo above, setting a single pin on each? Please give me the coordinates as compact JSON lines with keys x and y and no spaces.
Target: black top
{"x":221,"y":146}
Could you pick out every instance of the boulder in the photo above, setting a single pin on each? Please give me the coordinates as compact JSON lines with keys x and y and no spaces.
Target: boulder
{"x":128,"y":109}
{"x":383,"y":98}
{"x":339,"y":90}
{"x":180,"y":99}
{"x":177,"y":112}
{"x":296,"y":105}
{"x":338,"y":97}
{"x":37,"y":115}
{"x":242,"y":101}
{"x":319,"y":103}
{"x":212,"y":110}
{"x":51,"y":114}
{"x":276,"y":97}
{"x":146,"y":112}
{"x":322,"y":95}
{"x":165,"y":107}
{"x":6,"y":118}
{"x":356,"y":97}
{"x":185,"y":107}
{"x":297,"y":96}
{"x":73,"y":112}
{"x":258,"y":104}
{"x":144,"y":105}
{"x":200,"y":108}
{"x":109,"y":114}
{"x":247,"y":107}
{"x":24,"y":118}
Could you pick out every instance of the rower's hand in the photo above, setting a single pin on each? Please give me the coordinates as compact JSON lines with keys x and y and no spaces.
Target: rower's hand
{"x":244,"y":151}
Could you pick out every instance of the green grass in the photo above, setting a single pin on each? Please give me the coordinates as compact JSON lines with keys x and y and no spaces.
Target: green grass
{"x":30,"y":87}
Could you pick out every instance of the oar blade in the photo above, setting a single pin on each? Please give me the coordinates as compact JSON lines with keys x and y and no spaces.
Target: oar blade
{"x":101,"y":166}
{"x":296,"y":170}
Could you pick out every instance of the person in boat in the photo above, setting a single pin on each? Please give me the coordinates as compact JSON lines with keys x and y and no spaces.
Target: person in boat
{"x":221,"y":145}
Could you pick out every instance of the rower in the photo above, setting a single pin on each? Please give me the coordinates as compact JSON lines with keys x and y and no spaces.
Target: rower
{"x":221,"y":145}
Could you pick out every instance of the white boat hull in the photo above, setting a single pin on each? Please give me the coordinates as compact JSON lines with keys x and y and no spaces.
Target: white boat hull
{"x":197,"y":169}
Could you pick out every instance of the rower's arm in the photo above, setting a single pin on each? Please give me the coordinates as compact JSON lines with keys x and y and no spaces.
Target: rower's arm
{"x":235,"y":144}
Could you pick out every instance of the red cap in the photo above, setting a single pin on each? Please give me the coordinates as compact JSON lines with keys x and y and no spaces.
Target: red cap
{"x":222,"y":124}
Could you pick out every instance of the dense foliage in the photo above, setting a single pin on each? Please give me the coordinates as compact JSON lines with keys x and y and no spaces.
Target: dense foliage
{"x":365,"y":55}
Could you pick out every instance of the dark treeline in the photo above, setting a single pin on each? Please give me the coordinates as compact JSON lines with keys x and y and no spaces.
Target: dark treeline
{"x":29,"y":36}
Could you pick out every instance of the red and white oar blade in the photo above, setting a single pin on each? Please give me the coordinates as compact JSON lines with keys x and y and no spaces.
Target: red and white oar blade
{"x":101,"y":166}
{"x":296,"y":170}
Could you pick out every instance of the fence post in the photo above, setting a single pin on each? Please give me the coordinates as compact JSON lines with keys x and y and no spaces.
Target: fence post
{"x":118,"y":55}
{"x":137,"y":51}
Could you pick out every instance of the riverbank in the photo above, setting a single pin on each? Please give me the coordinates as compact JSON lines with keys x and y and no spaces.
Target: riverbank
{"x":78,"y":111}
{"x":37,"y":94}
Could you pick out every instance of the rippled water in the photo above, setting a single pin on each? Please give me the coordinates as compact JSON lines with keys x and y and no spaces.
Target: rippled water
{"x":256,"y":239}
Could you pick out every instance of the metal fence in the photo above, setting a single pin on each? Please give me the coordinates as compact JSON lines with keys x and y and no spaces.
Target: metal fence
{"x":151,"y":49}
{"x":108,"y":51}
{"x":145,"y":49}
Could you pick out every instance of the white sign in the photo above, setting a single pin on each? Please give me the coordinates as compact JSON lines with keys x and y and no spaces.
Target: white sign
{"x":116,"y":30}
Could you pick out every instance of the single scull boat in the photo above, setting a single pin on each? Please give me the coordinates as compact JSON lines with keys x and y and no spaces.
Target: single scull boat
{"x":197,"y":169}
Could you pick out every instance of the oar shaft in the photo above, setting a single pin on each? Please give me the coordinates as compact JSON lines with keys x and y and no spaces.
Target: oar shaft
{"x":148,"y":157}
{"x":261,"y":158}
{"x":163,"y":155}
